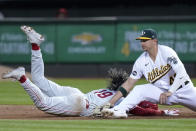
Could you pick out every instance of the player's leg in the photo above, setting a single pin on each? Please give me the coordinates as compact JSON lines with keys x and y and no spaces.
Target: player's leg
{"x":73,"y":104}
{"x":148,"y":104}
{"x":146,"y":108}
{"x":140,"y":111}
{"x":185,"y":96}
{"x":140,"y":93}
{"x":49,"y":87}
{"x":37,"y":65}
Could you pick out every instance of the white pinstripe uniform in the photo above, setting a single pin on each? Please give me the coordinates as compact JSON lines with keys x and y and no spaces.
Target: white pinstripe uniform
{"x":160,"y":74}
{"x":61,"y":100}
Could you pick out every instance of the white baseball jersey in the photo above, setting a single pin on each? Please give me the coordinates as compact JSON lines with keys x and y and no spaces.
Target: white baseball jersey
{"x":160,"y":75}
{"x":99,"y":98}
{"x":160,"y":72}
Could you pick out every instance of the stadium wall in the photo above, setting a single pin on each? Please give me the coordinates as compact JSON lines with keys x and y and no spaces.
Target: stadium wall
{"x":97,"y":42}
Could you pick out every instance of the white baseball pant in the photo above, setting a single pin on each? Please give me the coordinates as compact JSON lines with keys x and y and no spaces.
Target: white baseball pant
{"x":185,"y":96}
{"x":49,"y":96}
{"x":73,"y":104}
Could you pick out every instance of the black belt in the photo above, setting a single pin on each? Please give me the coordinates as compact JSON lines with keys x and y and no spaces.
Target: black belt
{"x":185,"y":83}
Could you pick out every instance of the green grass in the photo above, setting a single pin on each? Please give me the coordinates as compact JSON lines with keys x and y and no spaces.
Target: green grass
{"x":13,"y":93}
{"x":99,"y":125}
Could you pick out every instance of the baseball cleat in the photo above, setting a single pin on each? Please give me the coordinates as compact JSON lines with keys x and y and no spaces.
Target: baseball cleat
{"x":15,"y":74}
{"x":172,"y":112}
{"x":113,"y":113}
{"x":32,"y":35}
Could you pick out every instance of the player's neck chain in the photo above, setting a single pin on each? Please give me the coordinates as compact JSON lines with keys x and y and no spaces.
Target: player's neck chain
{"x":156,"y":74}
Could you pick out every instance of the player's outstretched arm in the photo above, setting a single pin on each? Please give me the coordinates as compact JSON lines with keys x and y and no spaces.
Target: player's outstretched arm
{"x":123,"y":90}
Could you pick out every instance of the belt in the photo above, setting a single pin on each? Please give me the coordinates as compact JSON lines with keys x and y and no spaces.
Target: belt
{"x":185,"y":83}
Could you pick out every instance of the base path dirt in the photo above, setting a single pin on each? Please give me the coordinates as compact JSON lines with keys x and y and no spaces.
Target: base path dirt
{"x":31,"y":112}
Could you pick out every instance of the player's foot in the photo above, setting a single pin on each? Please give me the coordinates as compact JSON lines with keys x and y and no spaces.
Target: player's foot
{"x":113,"y":113}
{"x":173,"y":112}
{"x":15,"y":74}
{"x":32,"y":35}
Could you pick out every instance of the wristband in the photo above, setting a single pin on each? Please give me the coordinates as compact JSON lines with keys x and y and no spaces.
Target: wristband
{"x":123,"y":91}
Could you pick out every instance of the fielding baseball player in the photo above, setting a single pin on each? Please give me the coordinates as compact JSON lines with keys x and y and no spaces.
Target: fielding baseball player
{"x":168,"y":80}
{"x":68,"y":101}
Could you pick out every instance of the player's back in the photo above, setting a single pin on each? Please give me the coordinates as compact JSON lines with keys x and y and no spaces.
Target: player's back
{"x":100,"y":97}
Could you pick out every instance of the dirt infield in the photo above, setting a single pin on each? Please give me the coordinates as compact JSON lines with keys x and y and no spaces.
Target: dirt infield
{"x":32,"y":113}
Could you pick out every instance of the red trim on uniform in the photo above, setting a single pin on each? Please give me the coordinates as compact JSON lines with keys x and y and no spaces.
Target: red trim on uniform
{"x":23,"y":79}
{"x":87,"y":104}
{"x":48,"y":107}
{"x":146,"y":108}
{"x":35,"y":46}
{"x":148,"y":104}
{"x":146,"y":111}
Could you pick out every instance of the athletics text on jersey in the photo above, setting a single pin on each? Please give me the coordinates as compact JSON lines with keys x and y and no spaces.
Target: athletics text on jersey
{"x":160,"y":72}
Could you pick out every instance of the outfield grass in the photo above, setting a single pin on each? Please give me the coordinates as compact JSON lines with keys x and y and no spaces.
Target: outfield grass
{"x":13,"y":93}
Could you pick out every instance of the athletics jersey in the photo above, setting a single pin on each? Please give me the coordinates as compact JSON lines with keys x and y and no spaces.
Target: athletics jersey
{"x":160,"y":72}
{"x":99,"y":98}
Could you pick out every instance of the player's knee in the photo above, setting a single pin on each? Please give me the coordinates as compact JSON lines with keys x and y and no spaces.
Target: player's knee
{"x":138,"y":89}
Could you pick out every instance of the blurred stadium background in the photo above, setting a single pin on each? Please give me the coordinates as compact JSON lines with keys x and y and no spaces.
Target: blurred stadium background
{"x":84,"y":38}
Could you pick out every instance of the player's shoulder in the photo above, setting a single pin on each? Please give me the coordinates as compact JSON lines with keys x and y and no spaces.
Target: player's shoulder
{"x":165,"y":48}
{"x":166,"y":51}
{"x":142,"y":57}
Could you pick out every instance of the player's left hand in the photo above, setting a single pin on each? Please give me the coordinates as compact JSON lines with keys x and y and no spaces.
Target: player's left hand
{"x":98,"y":109}
{"x":163,"y":97}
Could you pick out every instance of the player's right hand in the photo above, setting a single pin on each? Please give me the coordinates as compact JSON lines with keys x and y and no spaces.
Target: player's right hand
{"x":163,"y":97}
